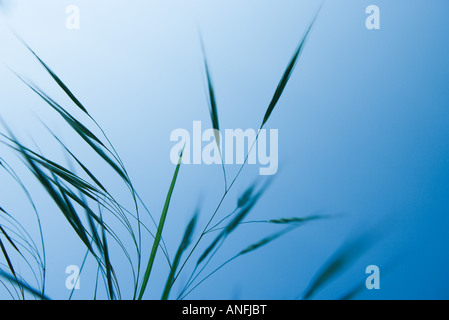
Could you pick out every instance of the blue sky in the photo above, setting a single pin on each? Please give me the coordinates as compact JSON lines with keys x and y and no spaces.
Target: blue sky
{"x":362,"y":129}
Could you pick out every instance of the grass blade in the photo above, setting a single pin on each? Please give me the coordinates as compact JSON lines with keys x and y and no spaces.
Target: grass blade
{"x":8,"y":260}
{"x":287,"y":73}
{"x":212,"y":101}
{"x":7,"y":236}
{"x":182,"y":247}
{"x":23,"y":285}
{"x":264,"y":241}
{"x":55,"y":77}
{"x":109,"y":270}
{"x":88,"y":136}
{"x":344,"y":256}
{"x":159,"y":230}
{"x":295,"y":220}
{"x":213,"y":109}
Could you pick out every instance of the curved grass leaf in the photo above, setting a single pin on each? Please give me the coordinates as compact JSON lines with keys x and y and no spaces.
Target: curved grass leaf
{"x":7,"y":236}
{"x":23,"y":285}
{"x":26,"y":242}
{"x":90,"y":138}
{"x":55,"y":77}
{"x":8,"y":260}
{"x":60,"y":198}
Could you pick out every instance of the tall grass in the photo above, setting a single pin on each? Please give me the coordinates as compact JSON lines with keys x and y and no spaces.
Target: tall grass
{"x":89,"y":208}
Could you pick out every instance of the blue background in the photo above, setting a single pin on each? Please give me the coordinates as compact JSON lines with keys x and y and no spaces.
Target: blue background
{"x":363,"y":130}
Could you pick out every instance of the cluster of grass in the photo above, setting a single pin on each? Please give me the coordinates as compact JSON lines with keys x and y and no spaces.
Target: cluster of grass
{"x":87,"y":205}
